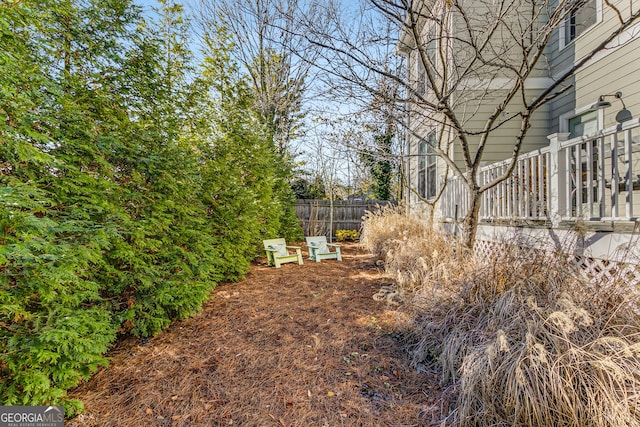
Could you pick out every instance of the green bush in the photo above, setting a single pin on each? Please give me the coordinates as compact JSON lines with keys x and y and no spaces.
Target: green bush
{"x":124,"y":197}
{"x":54,"y":324}
{"x":347,"y":235}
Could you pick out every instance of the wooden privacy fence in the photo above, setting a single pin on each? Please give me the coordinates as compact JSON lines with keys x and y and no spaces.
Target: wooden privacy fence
{"x":323,"y":218}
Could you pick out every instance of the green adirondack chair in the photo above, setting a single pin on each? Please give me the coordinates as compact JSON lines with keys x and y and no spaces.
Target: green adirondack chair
{"x":278,"y":254}
{"x":319,"y":249}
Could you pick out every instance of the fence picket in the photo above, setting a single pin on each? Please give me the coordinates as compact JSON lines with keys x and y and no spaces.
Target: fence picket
{"x":315,"y":215}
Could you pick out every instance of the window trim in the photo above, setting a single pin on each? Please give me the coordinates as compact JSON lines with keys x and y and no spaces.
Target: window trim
{"x":566,"y":118}
{"x":422,"y":168}
{"x":427,"y":167}
{"x":563,"y":43}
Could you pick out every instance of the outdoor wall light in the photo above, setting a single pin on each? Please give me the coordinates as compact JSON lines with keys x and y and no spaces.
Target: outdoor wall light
{"x":601,"y":103}
{"x":622,"y":116}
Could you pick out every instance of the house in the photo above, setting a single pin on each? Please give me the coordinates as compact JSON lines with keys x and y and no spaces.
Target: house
{"x":567,"y":72}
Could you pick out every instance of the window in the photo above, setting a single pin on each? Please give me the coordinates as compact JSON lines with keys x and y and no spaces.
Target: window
{"x":584,"y":165}
{"x":432,"y":51}
{"x":579,"y":20}
{"x":422,"y":169}
{"x":421,"y":82}
{"x":431,"y":166}
{"x":583,"y":124}
{"x":427,"y":173}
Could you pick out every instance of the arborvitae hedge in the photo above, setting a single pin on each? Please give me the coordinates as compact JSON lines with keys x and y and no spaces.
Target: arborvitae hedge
{"x":125,"y":194}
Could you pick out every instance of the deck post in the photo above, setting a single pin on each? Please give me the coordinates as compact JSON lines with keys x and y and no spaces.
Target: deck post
{"x":557,"y":174}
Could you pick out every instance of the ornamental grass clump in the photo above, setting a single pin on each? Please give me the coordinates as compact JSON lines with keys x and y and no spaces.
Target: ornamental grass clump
{"x":521,"y":335}
{"x":388,"y":226}
{"x":536,"y":350}
{"x":420,"y":259}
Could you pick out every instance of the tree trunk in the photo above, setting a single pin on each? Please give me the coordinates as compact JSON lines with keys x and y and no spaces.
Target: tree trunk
{"x":471,"y":220}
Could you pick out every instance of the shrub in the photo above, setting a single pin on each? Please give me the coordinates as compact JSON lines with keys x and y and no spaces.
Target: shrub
{"x":54,"y":324}
{"x":415,"y":253}
{"x":123,"y":199}
{"x":525,"y":352}
{"x":347,"y":235}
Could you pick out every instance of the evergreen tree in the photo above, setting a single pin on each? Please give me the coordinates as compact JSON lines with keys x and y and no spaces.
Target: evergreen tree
{"x":378,"y":162}
{"x":262,"y":42}
{"x":162,"y":265}
{"x":264,"y":174}
{"x":128,"y":185}
{"x":277,"y":103}
{"x":54,"y":220}
{"x":242,"y":162}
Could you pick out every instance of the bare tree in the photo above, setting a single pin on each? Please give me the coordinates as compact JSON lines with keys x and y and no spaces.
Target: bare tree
{"x":362,"y":148}
{"x":465,"y":56}
{"x":277,"y":59}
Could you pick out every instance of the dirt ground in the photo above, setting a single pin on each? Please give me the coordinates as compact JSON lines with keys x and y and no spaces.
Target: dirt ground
{"x":303,"y":345}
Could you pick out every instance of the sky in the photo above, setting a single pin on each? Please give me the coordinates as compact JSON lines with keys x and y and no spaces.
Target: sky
{"x":147,"y":4}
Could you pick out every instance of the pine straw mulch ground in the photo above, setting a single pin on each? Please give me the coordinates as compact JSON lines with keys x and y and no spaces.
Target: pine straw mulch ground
{"x":303,"y":345}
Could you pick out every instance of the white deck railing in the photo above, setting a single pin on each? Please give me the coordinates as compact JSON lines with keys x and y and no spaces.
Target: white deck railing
{"x":595,"y":177}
